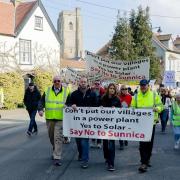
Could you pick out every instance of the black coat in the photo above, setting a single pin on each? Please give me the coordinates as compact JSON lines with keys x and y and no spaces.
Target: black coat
{"x":81,"y":100}
{"x":31,"y":99}
{"x":109,"y":102}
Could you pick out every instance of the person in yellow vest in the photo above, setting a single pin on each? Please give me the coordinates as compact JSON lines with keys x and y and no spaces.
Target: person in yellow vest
{"x":1,"y":98}
{"x":175,"y":118}
{"x":53,"y":100}
{"x":146,"y":99}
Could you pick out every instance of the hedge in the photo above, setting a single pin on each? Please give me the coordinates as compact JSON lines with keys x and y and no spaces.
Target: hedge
{"x":42,"y":79}
{"x":13,"y":88}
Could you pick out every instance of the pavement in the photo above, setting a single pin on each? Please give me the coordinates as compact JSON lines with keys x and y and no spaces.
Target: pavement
{"x":17,"y":114}
{"x":24,"y":158}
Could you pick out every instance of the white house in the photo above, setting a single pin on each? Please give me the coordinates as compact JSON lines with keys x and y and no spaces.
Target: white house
{"x":168,"y":53}
{"x":28,"y":38}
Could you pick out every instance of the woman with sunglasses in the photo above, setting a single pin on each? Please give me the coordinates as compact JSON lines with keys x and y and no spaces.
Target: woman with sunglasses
{"x":110,"y":99}
{"x":125,"y":99}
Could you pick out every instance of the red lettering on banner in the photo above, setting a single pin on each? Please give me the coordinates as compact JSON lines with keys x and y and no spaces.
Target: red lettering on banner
{"x":89,"y":132}
{"x":126,"y":134}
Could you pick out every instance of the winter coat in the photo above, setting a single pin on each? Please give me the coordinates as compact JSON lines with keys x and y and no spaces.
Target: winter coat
{"x":109,"y":102}
{"x":31,"y":99}
{"x":81,"y":100}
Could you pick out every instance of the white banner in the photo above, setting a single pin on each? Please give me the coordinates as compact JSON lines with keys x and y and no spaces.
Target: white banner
{"x":108,"y":123}
{"x":169,"y":79}
{"x":74,"y":76}
{"x":122,"y":70}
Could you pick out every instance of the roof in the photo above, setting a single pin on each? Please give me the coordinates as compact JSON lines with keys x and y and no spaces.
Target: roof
{"x":7,"y":18}
{"x":174,"y":50}
{"x":164,"y":37}
{"x":77,"y":64}
{"x":13,"y":19}
{"x":22,"y":10}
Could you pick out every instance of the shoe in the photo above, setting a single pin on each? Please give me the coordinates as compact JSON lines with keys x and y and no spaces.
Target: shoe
{"x":84,"y":165}
{"x":143,"y":168}
{"x":29,"y":133}
{"x":111,"y":168}
{"x":57,"y":162}
{"x":99,"y":146}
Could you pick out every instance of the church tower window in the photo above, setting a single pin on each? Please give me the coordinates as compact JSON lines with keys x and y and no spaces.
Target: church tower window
{"x":70,"y":26}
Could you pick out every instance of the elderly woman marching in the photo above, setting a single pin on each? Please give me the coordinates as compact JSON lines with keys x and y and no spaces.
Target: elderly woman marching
{"x":175,"y":118}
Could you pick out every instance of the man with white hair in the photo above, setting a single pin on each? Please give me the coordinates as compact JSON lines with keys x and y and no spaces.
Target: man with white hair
{"x":53,"y":100}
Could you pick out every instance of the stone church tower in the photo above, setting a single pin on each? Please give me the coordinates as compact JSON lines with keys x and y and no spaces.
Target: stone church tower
{"x":70,"y":33}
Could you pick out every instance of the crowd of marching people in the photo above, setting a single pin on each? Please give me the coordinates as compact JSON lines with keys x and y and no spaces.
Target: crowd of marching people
{"x":165,"y":104}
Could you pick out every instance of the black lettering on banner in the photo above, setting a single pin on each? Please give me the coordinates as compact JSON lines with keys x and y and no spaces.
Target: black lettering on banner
{"x":76,"y":118}
{"x":84,"y":118}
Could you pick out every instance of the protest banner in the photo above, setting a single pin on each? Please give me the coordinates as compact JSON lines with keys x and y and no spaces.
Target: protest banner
{"x":169,"y":79}
{"x":108,"y":123}
{"x":74,"y":76}
{"x":122,"y":70}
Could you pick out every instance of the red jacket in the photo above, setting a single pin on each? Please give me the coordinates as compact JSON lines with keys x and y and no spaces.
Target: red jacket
{"x":125,"y":100}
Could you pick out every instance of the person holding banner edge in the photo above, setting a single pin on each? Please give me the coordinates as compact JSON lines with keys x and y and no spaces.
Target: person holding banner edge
{"x":110,"y":99}
{"x":145,"y":98}
{"x":82,"y":97}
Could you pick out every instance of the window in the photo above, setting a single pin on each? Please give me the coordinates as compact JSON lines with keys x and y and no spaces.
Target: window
{"x":25,"y":51}
{"x":38,"y":23}
{"x":70,"y":26}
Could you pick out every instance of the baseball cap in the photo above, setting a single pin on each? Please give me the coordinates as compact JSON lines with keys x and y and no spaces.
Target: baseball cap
{"x":143,"y":82}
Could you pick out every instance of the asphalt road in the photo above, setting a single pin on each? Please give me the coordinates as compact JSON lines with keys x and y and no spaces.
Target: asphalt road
{"x":24,"y":158}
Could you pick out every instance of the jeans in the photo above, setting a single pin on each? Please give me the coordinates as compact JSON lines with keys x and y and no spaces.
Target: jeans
{"x":145,"y":149}
{"x":83,"y":148}
{"x":164,"y":116}
{"x":109,"y":151}
{"x":32,"y":124}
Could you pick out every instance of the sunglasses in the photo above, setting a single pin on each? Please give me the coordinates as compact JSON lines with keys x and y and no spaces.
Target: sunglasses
{"x":124,"y":89}
{"x":55,"y":81}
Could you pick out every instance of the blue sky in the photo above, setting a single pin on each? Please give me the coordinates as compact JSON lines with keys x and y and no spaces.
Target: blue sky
{"x":99,"y":22}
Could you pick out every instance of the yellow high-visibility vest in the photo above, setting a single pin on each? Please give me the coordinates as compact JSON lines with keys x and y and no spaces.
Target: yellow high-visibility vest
{"x":54,"y":104}
{"x":176,"y":114}
{"x":149,"y":100}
